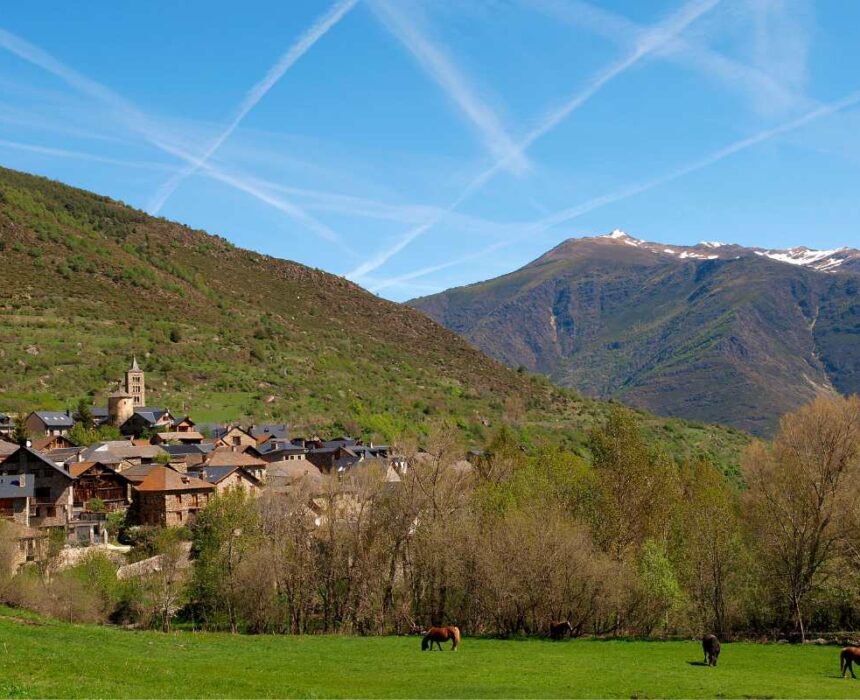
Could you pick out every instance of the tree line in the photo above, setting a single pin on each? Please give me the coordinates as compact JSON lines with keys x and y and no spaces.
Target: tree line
{"x":627,"y":542}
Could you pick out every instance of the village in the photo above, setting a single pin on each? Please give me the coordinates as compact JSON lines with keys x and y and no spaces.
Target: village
{"x":162,"y":473}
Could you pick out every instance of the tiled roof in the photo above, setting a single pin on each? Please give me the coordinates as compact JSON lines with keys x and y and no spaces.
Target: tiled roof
{"x":228,"y":458}
{"x":115,"y":450}
{"x":138,"y":472}
{"x":55,"y":419}
{"x":293,"y":470}
{"x":41,"y":444}
{"x":16,"y":455}
{"x":179,"y":450}
{"x":176,"y":435}
{"x":79,"y":468}
{"x":165,"y":479}
{"x":215,"y":475}
{"x":264,"y":430}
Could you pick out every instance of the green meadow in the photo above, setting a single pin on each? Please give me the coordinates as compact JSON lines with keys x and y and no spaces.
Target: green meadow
{"x":40,"y":658}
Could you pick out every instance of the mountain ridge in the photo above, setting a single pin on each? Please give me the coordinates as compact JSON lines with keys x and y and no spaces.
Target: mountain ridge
{"x":836,"y":260}
{"x":716,"y":332}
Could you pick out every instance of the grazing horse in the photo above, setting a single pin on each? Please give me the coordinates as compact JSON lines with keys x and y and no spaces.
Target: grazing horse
{"x":438,"y":635}
{"x":848,"y":657}
{"x":711,"y":647}
{"x":558,"y":630}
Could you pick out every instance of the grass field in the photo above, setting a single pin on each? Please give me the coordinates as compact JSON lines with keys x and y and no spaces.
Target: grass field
{"x":49,"y":659}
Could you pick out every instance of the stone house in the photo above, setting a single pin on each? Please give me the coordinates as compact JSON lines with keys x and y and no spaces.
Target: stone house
{"x":184,"y":425}
{"x":49,"y":423}
{"x":167,"y":498}
{"x":147,"y":418}
{"x":223,"y":457}
{"x":275,"y":450}
{"x":181,"y":437}
{"x":50,"y":502}
{"x":237,"y":437}
{"x":229,"y":478}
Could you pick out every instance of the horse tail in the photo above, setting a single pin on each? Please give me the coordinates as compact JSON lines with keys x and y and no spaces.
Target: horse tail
{"x":455,"y":631}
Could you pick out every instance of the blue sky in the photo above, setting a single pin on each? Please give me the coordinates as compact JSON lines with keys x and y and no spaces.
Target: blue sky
{"x":415,"y":145}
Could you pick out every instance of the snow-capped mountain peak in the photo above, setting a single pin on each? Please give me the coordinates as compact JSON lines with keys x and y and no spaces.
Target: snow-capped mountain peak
{"x":821,"y":260}
{"x":622,"y":236}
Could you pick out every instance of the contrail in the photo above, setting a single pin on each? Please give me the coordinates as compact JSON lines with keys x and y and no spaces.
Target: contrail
{"x":141,"y":124}
{"x":734,"y":74}
{"x":820,"y":112}
{"x":81,"y":155}
{"x":251,"y":188}
{"x":571,"y":213}
{"x":256,"y":93}
{"x":441,"y":69}
{"x":651,"y":41}
{"x":393,"y":281}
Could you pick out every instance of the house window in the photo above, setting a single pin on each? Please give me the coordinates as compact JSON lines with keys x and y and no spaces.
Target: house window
{"x":7,"y":508}
{"x":43,"y":494}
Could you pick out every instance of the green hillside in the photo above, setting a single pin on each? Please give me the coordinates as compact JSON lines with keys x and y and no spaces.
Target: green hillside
{"x":230,"y":334}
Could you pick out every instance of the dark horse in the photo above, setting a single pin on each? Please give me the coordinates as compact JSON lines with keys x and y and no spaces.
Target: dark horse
{"x":438,"y":635}
{"x":848,"y":657}
{"x":559,"y":630}
{"x":711,"y":647}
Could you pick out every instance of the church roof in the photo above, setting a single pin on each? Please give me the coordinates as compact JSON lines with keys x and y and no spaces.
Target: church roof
{"x":134,"y":366}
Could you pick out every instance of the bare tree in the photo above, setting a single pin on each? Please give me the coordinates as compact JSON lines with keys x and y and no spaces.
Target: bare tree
{"x":801,"y":490}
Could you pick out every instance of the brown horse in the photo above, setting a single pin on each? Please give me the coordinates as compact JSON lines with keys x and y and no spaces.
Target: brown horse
{"x":711,"y":647}
{"x":559,"y":630}
{"x":848,"y":657}
{"x":438,"y":635}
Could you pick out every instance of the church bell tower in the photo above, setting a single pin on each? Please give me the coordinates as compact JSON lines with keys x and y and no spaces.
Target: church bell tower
{"x":135,"y":384}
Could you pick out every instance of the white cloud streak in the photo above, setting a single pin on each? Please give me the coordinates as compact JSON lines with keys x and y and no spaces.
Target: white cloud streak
{"x":402,"y":279}
{"x":756,"y":84}
{"x":441,"y":68}
{"x":821,"y":112}
{"x":138,"y":122}
{"x":313,"y":34}
{"x":649,"y":42}
{"x":80,"y":155}
{"x":571,"y":213}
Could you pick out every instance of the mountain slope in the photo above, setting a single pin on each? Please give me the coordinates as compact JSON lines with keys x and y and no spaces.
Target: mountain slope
{"x":713,"y":332}
{"x":226,"y":333}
